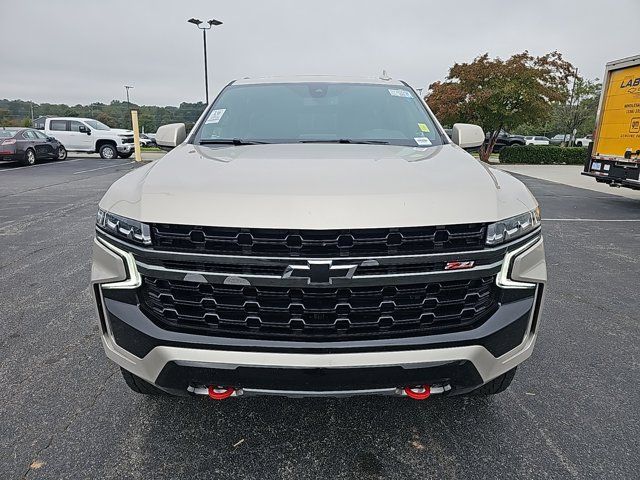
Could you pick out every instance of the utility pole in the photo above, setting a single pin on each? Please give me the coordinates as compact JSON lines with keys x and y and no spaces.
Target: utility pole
{"x":204,"y":26}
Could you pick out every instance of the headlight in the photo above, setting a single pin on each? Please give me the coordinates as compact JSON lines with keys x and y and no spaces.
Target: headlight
{"x":514,"y":227}
{"x":124,"y":228}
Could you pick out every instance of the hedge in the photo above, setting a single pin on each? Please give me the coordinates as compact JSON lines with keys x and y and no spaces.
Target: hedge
{"x":543,"y":154}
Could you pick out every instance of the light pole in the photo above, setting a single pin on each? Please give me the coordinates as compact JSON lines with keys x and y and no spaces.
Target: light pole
{"x":204,"y":26}
{"x":127,"y":87}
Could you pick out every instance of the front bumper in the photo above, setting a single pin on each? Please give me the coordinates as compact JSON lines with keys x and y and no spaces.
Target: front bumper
{"x":125,"y":147}
{"x":616,"y":173}
{"x":178,"y":361}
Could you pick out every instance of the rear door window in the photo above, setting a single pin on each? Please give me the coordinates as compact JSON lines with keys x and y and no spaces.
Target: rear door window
{"x":58,"y":125}
{"x":38,"y":134}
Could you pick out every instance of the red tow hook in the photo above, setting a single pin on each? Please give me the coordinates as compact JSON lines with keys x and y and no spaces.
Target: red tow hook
{"x":421,"y":392}
{"x":219,"y":393}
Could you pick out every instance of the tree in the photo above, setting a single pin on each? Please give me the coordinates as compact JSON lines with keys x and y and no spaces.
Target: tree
{"x":499,"y":94}
{"x":5,"y":114}
{"x":579,"y":112}
{"x":115,"y":114}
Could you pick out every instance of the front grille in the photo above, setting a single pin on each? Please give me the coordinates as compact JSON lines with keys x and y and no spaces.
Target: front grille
{"x":319,"y":243}
{"x":319,"y":313}
{"x":127,"y":139}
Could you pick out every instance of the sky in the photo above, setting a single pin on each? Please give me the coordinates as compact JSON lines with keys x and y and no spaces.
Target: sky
{"x":83,"y":51}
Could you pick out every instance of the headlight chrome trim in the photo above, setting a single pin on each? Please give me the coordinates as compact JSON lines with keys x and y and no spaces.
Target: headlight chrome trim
{"x":502,"y":279}
{"x":134,"y":280}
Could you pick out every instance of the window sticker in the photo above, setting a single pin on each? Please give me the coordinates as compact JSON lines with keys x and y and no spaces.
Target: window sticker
{"x":216,"y":115}
{"x":422,"y":141}
{"x":397,"y":92}
{"x":423,"y":127}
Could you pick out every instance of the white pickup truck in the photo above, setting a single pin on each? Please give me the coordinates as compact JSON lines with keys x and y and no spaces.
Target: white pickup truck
{"x":91,"y":136}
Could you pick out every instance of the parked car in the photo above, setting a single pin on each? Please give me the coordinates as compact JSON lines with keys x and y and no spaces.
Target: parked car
{"x":583,"y":141}
{"x":90,"y":136}
{"x":318,"y":236}
{"x":536,"y":140}
{"x":560,"y":139}
{"x":505,"y":139}
{"x":27,"y":145}
{"x":146,"y":140}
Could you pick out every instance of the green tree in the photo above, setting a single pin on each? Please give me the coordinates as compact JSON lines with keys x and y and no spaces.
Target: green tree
{"x":579,"y":112}
{"x":116,"y":114}
{"x":5,"y":115}
{"x":501,"y":94}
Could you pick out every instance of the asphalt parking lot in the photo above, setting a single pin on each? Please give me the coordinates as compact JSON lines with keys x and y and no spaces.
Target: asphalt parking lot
{"x":573,"y":410}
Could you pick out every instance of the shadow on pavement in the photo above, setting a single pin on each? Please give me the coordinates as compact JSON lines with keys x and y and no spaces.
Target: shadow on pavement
{"x":365,"y":437}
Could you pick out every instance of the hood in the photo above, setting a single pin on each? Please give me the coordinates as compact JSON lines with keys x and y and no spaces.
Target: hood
{"x":317,"y":186}
{"x":121,"y":131}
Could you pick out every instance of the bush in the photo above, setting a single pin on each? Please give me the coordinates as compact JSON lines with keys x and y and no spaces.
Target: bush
{"x":544,"y":155}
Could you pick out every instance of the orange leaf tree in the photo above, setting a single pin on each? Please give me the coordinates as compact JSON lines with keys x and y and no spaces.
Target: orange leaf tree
{"x":500,"y":94}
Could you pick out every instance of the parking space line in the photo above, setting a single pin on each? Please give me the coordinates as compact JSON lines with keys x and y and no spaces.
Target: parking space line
{"x":41,"y":165}
{"x":102,"y":168}
{"x":591,"y":220}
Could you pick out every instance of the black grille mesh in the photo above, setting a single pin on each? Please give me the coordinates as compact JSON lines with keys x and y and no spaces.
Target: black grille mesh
{"x":316,"y":313}
{"x":319,"y":243}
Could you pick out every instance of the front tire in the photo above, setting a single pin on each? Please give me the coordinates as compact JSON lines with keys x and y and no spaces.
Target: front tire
{"x":62,"y":153}
{"x":29,"y":157}
{"x":125,"y":155}
{"x":108,"y":151}
{"x":139,"y":385}
{"x":495,"y":386}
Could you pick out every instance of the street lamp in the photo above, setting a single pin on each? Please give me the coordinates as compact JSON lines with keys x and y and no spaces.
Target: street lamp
{"x":127,"y":87}
{"x":204,"y":26}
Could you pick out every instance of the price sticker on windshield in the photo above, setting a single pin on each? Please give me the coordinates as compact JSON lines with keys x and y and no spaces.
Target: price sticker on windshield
{"x":398,"y":92}
{"x":422,"y":141}
{"x":216,"y":115}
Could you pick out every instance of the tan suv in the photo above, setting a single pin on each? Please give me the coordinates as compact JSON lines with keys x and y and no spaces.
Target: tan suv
{"x":318,"y":236}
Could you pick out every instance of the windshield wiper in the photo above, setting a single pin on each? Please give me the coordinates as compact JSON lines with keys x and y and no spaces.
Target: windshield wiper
{"x":346,"y":140}
{"x":230,"y":141}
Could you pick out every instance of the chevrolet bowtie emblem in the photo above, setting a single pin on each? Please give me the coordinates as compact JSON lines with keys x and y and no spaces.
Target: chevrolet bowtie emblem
{"x":320,"y":271}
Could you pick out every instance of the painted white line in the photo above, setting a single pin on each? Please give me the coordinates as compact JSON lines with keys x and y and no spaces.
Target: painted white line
{"x":102,"y":168}
{"x":589,"y":220}
{"x":41,"y":165}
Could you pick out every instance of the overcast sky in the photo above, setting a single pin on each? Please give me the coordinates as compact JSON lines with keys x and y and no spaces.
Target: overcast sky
{"x":80,"y":51}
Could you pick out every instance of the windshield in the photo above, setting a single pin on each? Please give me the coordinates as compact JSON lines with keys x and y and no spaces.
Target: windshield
{"x":319,"y":112}
{"x":97,"y":125}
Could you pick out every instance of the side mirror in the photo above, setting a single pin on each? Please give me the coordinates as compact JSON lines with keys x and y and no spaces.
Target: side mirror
{"x":83,"y":129}
{"x":51,"y":139}
{"x":171,"y":135}
{"x":467,"y":135}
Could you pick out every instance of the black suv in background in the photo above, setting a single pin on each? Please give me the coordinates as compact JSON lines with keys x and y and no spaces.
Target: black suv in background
{"x":505,"y":139}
